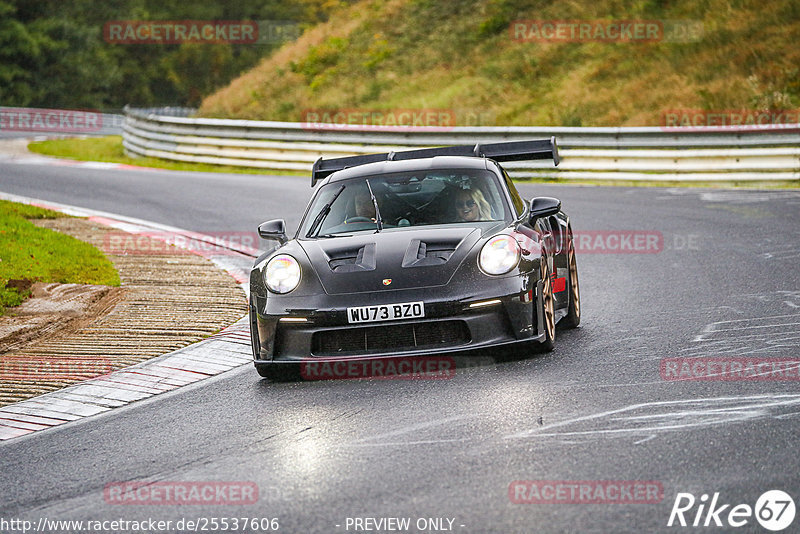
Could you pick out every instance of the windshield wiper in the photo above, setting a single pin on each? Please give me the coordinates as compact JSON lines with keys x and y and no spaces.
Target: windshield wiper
{"x":378,"y":219}
{"x":323,"y":213}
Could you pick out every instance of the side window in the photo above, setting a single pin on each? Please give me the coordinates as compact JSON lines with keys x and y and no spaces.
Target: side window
{"x":516,"y":200}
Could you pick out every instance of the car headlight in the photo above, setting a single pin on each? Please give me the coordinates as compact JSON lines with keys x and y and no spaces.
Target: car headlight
{"x":282,"y":273}
{"x":499,"y":255}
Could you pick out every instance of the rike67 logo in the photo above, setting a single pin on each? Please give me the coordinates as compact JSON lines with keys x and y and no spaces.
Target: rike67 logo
{"x":774,"y":510}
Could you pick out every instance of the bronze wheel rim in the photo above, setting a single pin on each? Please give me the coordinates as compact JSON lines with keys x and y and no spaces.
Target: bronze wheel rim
{"x":575,"y":294}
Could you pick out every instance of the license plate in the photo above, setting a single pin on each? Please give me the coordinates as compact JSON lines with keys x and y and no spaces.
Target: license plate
{"x":385,"y":312}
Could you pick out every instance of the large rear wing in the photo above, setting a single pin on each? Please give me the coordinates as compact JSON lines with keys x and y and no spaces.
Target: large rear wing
{"x":508,"y":151}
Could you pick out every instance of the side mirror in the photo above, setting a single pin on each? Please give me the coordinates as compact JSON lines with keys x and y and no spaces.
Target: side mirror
{"x":274,"y":229}
{"x":543,"y":207}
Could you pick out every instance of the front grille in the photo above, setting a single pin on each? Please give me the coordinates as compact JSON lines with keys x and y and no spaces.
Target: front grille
{"x":389,"y":338}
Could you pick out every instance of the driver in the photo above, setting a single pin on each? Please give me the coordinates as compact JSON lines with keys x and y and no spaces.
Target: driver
{"x":363,"y":205}
{"x":360,"y":208}
{"x":363,"y":209}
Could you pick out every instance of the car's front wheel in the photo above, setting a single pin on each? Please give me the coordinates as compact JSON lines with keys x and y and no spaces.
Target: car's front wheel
{"x":278,"y":373}
{"x":547,"y":307}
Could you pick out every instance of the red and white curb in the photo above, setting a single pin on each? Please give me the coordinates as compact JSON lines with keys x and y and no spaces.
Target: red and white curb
{"x":221,"y":352}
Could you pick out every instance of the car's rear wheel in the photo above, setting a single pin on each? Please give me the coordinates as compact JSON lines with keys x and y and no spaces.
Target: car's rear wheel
{"x":547,"y":308}
{"x":573,"y":317}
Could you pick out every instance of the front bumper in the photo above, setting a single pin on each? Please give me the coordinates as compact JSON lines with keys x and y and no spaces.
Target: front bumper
{"x":450,"y":325}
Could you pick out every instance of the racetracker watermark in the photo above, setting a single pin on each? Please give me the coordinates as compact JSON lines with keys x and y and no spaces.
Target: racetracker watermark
{"x":63,"y":368}
{"x":407,"y":120}
{"x":402,"y":368}
{"x":615,"y":242}
{"x":679,"y":120}
{"x":586,"y":492}
{"x":172,"y":493}
{"x":605,"y":31}
{"x":181,"y":31}
{"x":731,"y":369}
{"x":192,"y":524}
{"x":618,"y":242}
{"x":277,"y":31}
{"x":50,"y":120}
{"x":161,"y":243}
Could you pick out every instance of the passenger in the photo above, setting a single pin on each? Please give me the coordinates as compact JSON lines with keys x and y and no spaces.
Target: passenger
{"x":470,"y":205}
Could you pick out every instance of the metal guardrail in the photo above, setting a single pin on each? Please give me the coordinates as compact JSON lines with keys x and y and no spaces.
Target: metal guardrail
{"x":647,"y":153}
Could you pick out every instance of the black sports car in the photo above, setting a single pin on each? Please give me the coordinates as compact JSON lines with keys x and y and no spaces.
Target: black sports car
{"x":415,"y":253}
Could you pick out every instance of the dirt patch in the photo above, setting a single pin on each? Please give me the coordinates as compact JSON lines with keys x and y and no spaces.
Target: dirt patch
{"x":19,"y":285}
{"x":55,"y":309}
{"x":167,"y":300}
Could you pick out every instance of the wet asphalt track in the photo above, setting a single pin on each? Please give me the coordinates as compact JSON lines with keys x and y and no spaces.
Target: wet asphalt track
{"x":727,"y":284}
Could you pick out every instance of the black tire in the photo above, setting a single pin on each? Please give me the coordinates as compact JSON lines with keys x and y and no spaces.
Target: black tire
{"x":573,"y":318}
{"x":547,"y":309}
{"x":278,"y":373}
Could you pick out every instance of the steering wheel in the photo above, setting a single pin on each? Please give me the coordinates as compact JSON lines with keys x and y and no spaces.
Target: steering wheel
{"x":357,"y":219}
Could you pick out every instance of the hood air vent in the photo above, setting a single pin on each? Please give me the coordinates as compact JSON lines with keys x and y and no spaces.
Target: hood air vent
{"x":353,"y":260}
{"x":421,"y":253}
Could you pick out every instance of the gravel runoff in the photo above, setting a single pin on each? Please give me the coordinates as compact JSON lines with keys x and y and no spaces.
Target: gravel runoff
{"x":169,"y":298}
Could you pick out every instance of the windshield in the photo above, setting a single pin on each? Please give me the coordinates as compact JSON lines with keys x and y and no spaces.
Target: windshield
{"x":408,"y":199}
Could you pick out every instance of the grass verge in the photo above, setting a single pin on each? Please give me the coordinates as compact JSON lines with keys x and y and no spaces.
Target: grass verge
{"x":469,"y":58}
{"x":32,"y":254}
{"x":109,"y":150}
